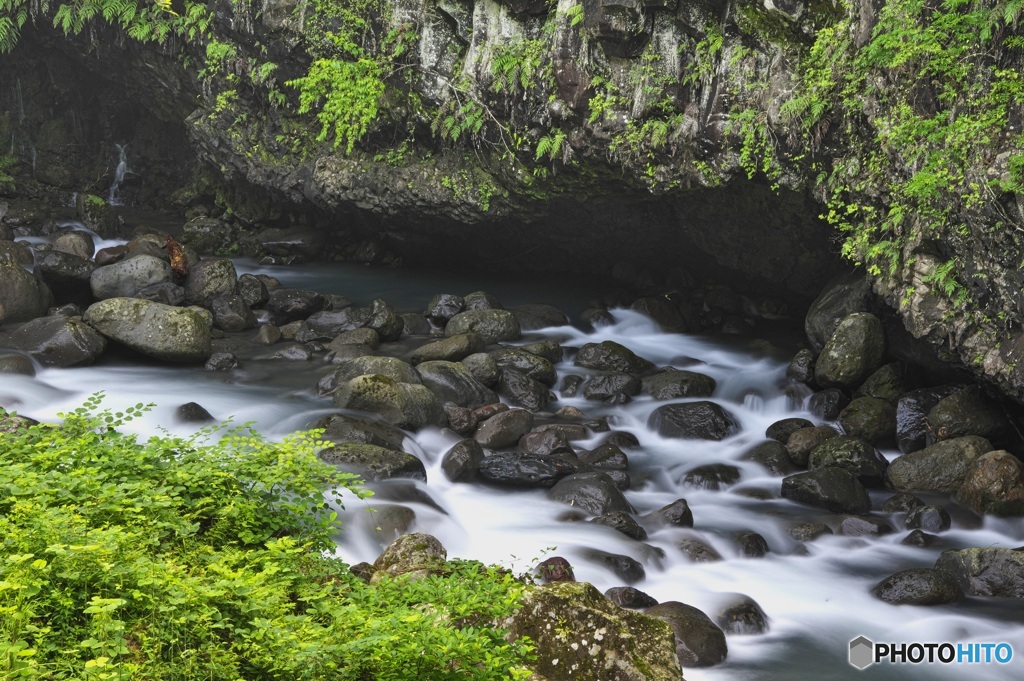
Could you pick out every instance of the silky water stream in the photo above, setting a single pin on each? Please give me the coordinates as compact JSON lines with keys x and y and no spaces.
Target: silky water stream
{"x":816,"y":596}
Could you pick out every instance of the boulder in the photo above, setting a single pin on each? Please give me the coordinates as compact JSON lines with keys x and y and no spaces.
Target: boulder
{"x":606,"y":457}
{"x":854,"y":351}
{"x":504,"y":429}
{"x":853,"y":454}
{"x":801,"y":367}
{"x":698,"y":551}
{"x":453,"y":382}
{"x":693,"y":420}
{"x":911,"y":413}
{"x":863,"y":526}
{"x":450,"y":349}
{"x":781,"y":430}
{"x":967,"y":412}
{"x":548,"y":349}
{"x":12,"y":253}
{"x":887,"y":383}
{"x":573,"y":627}
{"x":493,"y":326}
{"x":993,"y":485}
{"x":629,"y":597}
{"x":672,"y":383}
{"x":994,"y":572}
{"x":374,"y":463}
{"x":752,"y":545}
{"x":391,"y":367}
{"x":481,"y":300}
{"x":941,"y":468}
{"x":22,"y":296}
{"x":772,"y":455}
{"x":611,"y":356}
{"x":15,"y":363}
{"x":844,"y":295}
{"x":166,"y":292}
{"x":253,"y":291}
{"x":287,"y":305}
{"x":125,"y":278}
{"x":827,"y":404}
{"x":627,"y":569}
{"x":622,"y":522}
{"x":699,"y":641}
{"x":675,"y":514}
{"x":230,"y":313}
{"x":927,"y":517}
{"x":918,"y":586}
{"x":67,"y":276}
{"x":483,"y":368}
{"x":616,"y":388}
{"x":209,"y":278}
{"x":533,"y":317}
{"x":297,"y":244}
{"x":442,"y":308}
{"x":713,"y":476}
{"x":593,"y":493}
{"x":526,"y":363}
{"x":804,"y":441}
{"x":385,"y":321}
{"x":412,"y":553}
{"x":522,"y":391}
{"x":330,"y":324}
{"x":461,"y":462}
{"x":59,"y":341}
{"x":741,"y":615}
{"x":518,"y":469}
{"x":171,"y":334}
{"x":662,"y":311}
{"x":545,"y":442}
{"x":834,"y":489}
{"x":871,"y":419}
{"x":405,"y":405}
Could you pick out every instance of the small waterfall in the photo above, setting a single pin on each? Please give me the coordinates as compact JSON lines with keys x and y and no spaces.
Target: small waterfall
{"x":119,"y":173}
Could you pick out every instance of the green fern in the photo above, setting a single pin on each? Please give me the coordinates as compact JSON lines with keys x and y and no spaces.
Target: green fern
{"x":550,"y":146}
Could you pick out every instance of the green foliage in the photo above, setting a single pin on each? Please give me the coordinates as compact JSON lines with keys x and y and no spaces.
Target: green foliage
{"x":347,"y":94}
{"x":550,"y":146}
{"x":456,"y":120}
{"x":207,"y":558}
{"x":519,"y":66}
{"x":7,"y":164}
{"x":575,"y":15}
{"x":701,"y":69}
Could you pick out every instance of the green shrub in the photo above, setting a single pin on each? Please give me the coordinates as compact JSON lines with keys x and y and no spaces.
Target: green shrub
{"x":204,"y":558}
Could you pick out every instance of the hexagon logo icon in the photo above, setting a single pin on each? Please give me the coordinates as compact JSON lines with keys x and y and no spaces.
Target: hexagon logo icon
{"x":862,"y":652}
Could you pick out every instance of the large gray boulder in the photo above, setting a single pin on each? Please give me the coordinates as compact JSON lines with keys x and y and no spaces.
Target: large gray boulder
{"x":918,"y":586}
{"x":209,"y":278}
{"x":844,"y":295}
{"x":674,"y":383}
{"x":985,"y":571}
{"x":855,"y":455}
{"x":940,"y":468}
{"x":385,"y":321}
{"x":391,"y":367}
{"x":493,"y":326}
{"x":59,"y":341}
{"x":125,"y":278}
{"x":870,"y":418}
{"x":504,"y":429}
{"x":172,"y":334}
{"x":611,"y":356}
{"x":834,"y":489}
{"x":699,"y":641}
{"x":911,"y":416}
{"x":994,"y":485}
{"x":450,"y":349}
{"x":520,"y":469}
{"x":854,"y":351}
{"x":22,"y":296}
{"x":693,"y":420}
{"x":405,"y":405}
{"x":526,"y":363}
{"x":453,"y":382}
{"x":67,"y":275}
{"x":967,"y":412}
{"x":374,"y":463}
{"x":594,"y":493}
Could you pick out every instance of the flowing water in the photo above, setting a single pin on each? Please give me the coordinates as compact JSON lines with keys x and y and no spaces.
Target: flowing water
{"x":817,"y":599}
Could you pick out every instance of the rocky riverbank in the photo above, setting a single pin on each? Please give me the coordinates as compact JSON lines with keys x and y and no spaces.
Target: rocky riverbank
{"x":467,"y":365}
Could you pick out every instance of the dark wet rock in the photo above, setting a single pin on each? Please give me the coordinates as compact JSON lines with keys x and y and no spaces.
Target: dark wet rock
{"x":994,"y":572}
{"x":221,"y":361}
{"x":414,"y":324}
{"x":834,"y":489}
{"x":842,"y":296}
{"x":555,"y":569}
{"x":522,"y":390}
{"x":827,"y":404}
{"x":699,"y":641}
{"x":287,"y":305}
{"x":698,"y":550}
{"x":629,"y":570}
{"x":127,"y":277}
{"x":871,"y":419}
{"x":919,"y":539}
{"x":621,"y":479}
{"x":752,"y":545}
{"x":443,"y":307}
{"x":548,"y":349}
{"x":662,"y":311}
{"x":629,"y":597}
{"x":391,"y":367}
{"x":596,"y":317}
{"x":532,"y":317}
{"x":295,"y":244}
{"x":450,"y":349}
{"x":741,"y":615}
{"x":854,"y":351}
{"x":18,"y":364}
{"x":571,"y":384}
{"x":612,"y":387}
{"x":622,"y":522}
{"x":693,"y":420}
{"x":67,"y":275}
{"x":460,"y":463}
{"x":209,"y":278}
{"x":621,"y":439}
{"x":772,"y":456}
{"x":481,"y":300}
{"x":230,"y":313}
{"x":374,"y":463}
{"x":940,"y":468}
{"x":349,"y":429}
{"x":804,"y":532}
{"x":293,"y":352}
{"x":967,"y":412}
{"x":486,"y":412}
{"x":635,"y":646}
{"x":517,"y":469}
{"x":110,"y":255}
{"x":405,"y":405}
{"x":853,"y":454}
{"x":911,"y":414}
{"x":172,"y":334}
{"x":383,"y":319}
{"x":862,"y":526}
{"x":545,"y":442}
{"x":191,"y":412}
{"x":460,"y":419}
{"x":887,"y":383}
{"x":12,"y":253}
{"x":901,"y":502}
{"x":715,"y":476}
{"x":360,"y":336}
{"x":594,"y":493}
{"x":268,"y":334}
{"x":610,"y":356}
{"x":412,"y":553}
{"x":675,"y":383}
{"x":994,"y":485}
{"x":929,"y":518}
{"x":606,"y":457}
{"x":253,"y":291}
{"x":329,"y":324}
{"x":165,"y":292}
{"x":675,"y":514}
{"x":493,"y":326}
{"x":918,"y":586}
{"x":804,"y":441}
{"x":781,"y":430}
{"x":153,"y":245}
{"x":504,"y":429}
{"x":526,"y":363}
{"x":801,"y":367}
{"x":453,"y":382}
{"x":59,"y":341}
{"x":483,"y":368}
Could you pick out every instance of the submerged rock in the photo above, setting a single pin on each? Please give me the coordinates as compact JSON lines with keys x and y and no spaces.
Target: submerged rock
{"x":693,"y":420}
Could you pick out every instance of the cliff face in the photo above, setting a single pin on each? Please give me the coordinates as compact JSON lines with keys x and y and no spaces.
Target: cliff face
{"x":702,"y":137}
